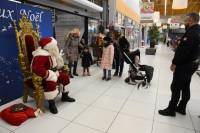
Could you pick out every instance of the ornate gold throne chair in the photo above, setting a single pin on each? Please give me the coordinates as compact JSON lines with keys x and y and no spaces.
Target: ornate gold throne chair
{"x":27,"y":41}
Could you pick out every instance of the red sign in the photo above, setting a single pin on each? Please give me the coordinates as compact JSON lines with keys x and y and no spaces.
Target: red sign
{"x":147,"y":7}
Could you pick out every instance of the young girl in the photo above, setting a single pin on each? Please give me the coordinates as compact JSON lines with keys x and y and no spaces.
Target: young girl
{"x":86,"y":60}
{"x":107,"y":58}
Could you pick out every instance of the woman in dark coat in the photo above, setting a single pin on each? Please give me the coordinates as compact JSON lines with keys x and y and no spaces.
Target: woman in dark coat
{"x":120,"y":46}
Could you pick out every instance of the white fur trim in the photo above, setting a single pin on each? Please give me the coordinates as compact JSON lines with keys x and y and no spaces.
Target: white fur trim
{"x":51,"y":44}
{"x":54,"y":61}
{"x":51,"y":94}
{"x":38,"y":112}
{"x":65,"y":88}
{"x":52,"y":76}
{"x":40,"y":52}
{"x":57,"y":73}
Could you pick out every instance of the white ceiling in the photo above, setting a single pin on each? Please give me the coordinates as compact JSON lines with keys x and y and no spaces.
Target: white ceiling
{"x":84,"y":4}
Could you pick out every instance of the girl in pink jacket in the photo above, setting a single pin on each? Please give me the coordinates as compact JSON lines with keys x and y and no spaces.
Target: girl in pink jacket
{"x":107,"y":58}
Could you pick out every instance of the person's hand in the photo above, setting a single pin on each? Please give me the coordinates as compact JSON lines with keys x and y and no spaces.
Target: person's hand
{"x":61,"y":52}
{"x":67,"y":55}
{"x":172,"y":67}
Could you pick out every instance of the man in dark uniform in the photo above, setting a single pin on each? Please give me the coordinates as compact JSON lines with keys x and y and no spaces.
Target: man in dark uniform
{"x":184,"y":64}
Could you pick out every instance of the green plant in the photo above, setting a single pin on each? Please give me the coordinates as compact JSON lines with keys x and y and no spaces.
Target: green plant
{"x":153,"y":35}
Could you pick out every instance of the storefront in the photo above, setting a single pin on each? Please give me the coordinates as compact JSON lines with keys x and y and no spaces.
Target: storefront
{"x":92,"y":30}
{"x":65,"y":23}
{"x":71,"y":15}
{"x":126,"y":18}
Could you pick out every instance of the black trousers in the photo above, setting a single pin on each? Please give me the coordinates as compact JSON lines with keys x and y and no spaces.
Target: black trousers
{"x":119,"y":66}
{"x":74,"y":64}
{"x":180,"y":86}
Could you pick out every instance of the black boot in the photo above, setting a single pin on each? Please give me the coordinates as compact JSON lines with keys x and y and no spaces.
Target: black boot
{"x":115,"y":74}
{"x":109,"y":78}
{"x":75,"y":74}
{"x":169,"y":111}
{"x":120,"y":74}
{"x":52,"y":107}
{"x":181,"y":108}
{"x":103,"y":78}
{"x":66,"y":98}
{"x":70,"y":75}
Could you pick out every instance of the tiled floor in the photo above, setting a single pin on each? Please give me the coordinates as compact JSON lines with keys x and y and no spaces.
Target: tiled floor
{"x":116,"y":107}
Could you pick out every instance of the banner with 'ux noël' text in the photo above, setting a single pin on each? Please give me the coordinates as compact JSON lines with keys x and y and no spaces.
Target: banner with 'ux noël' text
{"x":11,"y":81}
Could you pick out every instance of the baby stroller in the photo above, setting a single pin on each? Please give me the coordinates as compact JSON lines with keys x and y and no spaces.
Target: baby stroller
{"x":137,"y":74}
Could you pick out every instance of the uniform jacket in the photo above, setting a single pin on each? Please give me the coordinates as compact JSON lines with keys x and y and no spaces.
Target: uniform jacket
{"x":188,"y":48}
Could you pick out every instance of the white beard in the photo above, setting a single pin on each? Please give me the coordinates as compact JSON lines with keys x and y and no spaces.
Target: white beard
{"x":54,"y":52}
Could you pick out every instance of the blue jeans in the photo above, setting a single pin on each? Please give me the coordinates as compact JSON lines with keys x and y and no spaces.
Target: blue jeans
{"x":105,"y":75}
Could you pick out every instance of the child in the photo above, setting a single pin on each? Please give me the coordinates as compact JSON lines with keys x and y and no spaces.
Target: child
{"x":107,"y":58}
{"x":86,"y":60}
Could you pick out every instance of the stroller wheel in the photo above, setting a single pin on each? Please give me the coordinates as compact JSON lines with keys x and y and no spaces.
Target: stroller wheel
{"x":143,"y":84}
{"x":127,"y":80}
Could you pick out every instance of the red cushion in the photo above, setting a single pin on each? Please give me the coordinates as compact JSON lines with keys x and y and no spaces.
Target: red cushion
{"x":16,"y":118}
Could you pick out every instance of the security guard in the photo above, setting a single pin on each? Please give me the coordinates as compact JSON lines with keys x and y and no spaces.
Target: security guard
{"x":184,"y":64}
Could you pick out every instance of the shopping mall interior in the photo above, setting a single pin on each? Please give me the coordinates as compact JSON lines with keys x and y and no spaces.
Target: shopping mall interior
{"x":100,"y":66}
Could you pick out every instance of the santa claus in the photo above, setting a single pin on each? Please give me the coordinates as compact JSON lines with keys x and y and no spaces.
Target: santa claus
{"x":48,"y":63}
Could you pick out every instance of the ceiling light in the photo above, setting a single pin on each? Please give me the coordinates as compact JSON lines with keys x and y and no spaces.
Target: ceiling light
{"x":179,"y":4}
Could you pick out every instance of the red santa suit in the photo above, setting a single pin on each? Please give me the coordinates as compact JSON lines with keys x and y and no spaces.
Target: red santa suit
{"x":45,"y":64}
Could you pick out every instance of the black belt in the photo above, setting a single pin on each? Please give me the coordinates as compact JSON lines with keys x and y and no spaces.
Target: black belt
{"x":54,"y":69}
{"x":196,"y":61}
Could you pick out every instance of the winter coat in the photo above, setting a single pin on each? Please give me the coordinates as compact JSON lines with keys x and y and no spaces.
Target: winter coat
{"x":116,"y":50}
{"x":107,"y":57}
{"x":86,"y":59}
{"x":71,"y":49}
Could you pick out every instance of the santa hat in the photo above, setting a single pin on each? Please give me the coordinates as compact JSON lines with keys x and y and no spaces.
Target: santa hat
{"x":47,"y":42}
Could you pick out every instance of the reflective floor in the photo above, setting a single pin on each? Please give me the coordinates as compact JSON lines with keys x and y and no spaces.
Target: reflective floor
{"x":116,"y":107}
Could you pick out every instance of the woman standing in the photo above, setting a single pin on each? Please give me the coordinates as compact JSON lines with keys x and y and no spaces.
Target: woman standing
{"x":118,"y":55}
{"x":107,"y":58}
{"x":71,"y":49}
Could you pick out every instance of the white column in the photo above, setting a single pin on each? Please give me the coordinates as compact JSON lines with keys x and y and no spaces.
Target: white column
{"x":112,"y":11}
